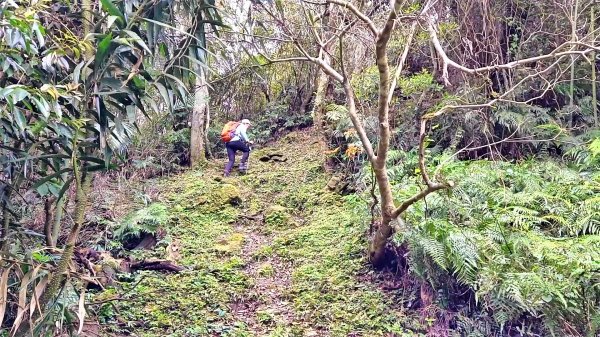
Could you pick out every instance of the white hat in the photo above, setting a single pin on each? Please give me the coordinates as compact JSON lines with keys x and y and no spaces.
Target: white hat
{"x":246,"y":121}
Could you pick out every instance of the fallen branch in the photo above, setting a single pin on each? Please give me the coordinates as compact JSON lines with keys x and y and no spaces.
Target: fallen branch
{"x":156,"y":265}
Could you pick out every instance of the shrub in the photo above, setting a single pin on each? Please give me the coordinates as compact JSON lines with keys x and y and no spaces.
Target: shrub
{"x":524,"y":238}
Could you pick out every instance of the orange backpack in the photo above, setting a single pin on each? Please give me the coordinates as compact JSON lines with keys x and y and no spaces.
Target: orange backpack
{"x":229,"y":131}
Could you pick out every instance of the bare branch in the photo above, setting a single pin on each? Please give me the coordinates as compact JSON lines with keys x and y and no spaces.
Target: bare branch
{"x":400,"y":67}
{"x":362,"y":134}
{"x":421,"y":195}
{"x":358,"y":14}
{"x":422,"y":167}
{"x":324,"y":65}
{"x":447,"y":61}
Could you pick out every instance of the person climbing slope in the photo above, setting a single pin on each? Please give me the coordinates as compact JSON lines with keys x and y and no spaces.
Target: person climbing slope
{"x":236,"y":139}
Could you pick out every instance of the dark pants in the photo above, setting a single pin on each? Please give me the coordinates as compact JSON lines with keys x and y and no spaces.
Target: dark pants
{"x":232,"y":148}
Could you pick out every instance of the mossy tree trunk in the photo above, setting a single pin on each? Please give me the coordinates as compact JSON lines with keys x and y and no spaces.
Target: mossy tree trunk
{"x":199,"y":120}
{"x":83,"y":182}
{"x":5,"y":226}
{"x":389,"y":211}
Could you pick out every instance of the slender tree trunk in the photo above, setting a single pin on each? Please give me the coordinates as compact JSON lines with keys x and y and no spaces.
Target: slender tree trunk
{"x":389,"y":212}
{"x":5,"y":226}
{"x":319,"y":106}
{"x":199,"y":113}
{"x":57,"y":221}
{"x":573,"y":59}
{"x":48,"y":222}
{"x":83,"y":184}
{"x":207,"y":127}
{"x":594,"y":92}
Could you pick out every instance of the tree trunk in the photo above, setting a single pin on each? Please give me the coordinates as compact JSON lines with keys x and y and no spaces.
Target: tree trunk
{"x":378,"y":242}
{"x":5,"y":226}
{"x":58,"y":215}
{"x":594,"y":93}
{"x":322,"y":79}
{"x":319,"y":106}
{"x":199,"y":113}
{"x":207,"y":126}
{"x":573,"y":59}
{"x":48,"y":222}
{"x":82,"y":185}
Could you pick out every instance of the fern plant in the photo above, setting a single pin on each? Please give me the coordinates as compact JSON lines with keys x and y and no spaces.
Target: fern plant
{"x":524,"y":238}
{"x":144,"y":221}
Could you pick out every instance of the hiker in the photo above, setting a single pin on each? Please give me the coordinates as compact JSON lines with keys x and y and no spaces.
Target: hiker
{"x":238,"y":142}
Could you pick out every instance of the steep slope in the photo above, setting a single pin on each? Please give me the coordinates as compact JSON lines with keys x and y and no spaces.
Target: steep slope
{"x":271,"y":253}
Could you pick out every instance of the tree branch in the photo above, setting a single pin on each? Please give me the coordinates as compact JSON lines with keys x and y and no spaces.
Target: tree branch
{"x":326,"y":67}
{"x":400,"y":67}
{"x":421,"y":195}
{"x":358,"y":14}
{"x":447,"y":61}
{"x":384,"y":85}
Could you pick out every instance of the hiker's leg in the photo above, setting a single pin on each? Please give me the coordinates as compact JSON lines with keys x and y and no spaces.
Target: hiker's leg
{"x":245,"y":154}
{"x":231,"y":157}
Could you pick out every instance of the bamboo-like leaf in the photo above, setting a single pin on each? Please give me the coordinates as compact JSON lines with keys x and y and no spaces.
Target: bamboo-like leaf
{"x":46,"y":156}
{"x":102,"y":50}
{"x":42,"y":105}
{"x":4,"y":292}
{"x":114,"y":11}
{"x":162,"y":24}
{"x":138,"y":40}
{"x":77,"y":72}
{"x":81,"y":311}
{"x":65,"y":188}
{"x":36,"y":296}
{"x":165,"y":94}
{"x":50,"y":177}
{"x":22,"y":305}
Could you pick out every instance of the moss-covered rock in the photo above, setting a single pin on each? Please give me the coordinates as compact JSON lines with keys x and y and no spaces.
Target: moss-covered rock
{"x":228,"y":194}
{"x":276,"y":215}
{"x":266,"y":269}
{"x":230,"y":244}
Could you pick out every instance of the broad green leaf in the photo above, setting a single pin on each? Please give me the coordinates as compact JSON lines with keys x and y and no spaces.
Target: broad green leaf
{"x":42,"y":106}
{"x":109,"y":7}
{"x":77,"y":72}
{"x":102,"y":51}
{"x":138,"y":40}
{"x":18,"y":94}
{"x":20,"y":119}
{"x":165,"y":95}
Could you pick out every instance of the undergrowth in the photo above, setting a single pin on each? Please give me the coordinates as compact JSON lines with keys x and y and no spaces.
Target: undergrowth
{"x":294,"y":266}
{"x":524,"y":238}
{"x":512,"y":249}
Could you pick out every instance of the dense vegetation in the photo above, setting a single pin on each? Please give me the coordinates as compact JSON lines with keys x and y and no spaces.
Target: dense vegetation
{"x":421,"y":168}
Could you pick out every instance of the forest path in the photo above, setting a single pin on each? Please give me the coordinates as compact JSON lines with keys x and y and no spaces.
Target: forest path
{"x":270,"y":253}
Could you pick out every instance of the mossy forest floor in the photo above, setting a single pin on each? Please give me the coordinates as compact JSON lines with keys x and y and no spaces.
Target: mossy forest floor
{"x":270,"y":253}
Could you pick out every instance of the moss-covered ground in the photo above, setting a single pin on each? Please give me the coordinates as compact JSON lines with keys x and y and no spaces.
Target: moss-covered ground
{"x":270,"y":253}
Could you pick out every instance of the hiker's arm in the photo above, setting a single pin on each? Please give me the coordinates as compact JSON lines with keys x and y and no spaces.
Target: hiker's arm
{"x":243,"y":135}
